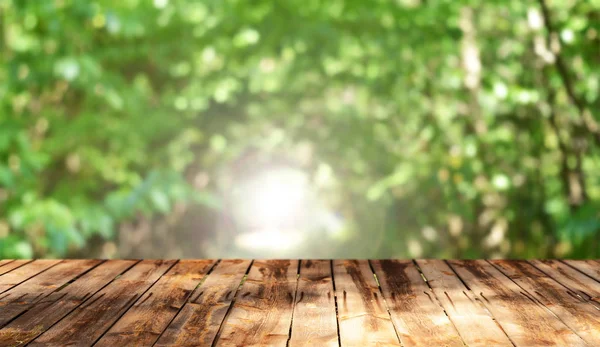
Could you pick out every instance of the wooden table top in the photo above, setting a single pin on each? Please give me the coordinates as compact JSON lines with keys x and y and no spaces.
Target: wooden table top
{"x":299,"y":303}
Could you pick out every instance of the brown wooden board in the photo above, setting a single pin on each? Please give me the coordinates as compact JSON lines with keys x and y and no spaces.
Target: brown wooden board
{"x":588,"y":267}
{"x":580,"y":284}
{"x":89,"y":321}
{"x":18,"y":299}
{"x":9,"y":266}
{"x":418,"y":318}
{"x":5,"y":261}
{"x":148,"y":318}
{"x":23,"y":273}
{"x":262,"y":313}
{"x":362,"y":315}
{"x":314,"y":322}
{"x":474,"y":324}
{"x":525,"y":321}
{"x":199,"y":320}
{"x":576,"y":313}
{"x":54,"y":307}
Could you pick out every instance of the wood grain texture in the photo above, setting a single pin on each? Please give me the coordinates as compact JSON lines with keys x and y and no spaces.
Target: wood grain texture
{"x":11,"y":265}
{"x":23,"y":273}
{"x":88,"y":322}
{"x":54,"y":307}
{"x":579,"y":284}
{"x":262,"y":313}
{"x":20,"y":298}
{"x":588,"y":267}
{"x":418,"y":318}
{"x":526,"y":322}
{"x":474,"y":324}
{"x":199,"y":320}
{"x":314,"y":322}
{"x":299,"y":303}
{"x":575,"y":312}
{"x":362,"y":315}
{"x":148,"y":318}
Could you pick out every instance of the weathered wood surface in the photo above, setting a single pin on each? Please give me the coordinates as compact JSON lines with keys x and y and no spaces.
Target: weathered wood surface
{"x":476,"y":325}
{"x":9,"y":265}
{"x":418,"y":317}
{"x":363,"y":317}
{"x":523,"y":319}
{"x":20,"y":274}
{"x":578,"y":282}
{"x":314,"y":322}
{"x":17,"y":300}
{"x":262,"y":313}
{"x":199,"y":321}
{"x":588,"y":267}
{"x":299,"y":303}
{"x":87,"y":323}
{"x":576,"y":313}
{"x":150,"y":315}
{"x":61,"y":302}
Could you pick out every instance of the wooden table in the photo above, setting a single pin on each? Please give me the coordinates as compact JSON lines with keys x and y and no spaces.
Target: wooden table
{"x":296,"y":303}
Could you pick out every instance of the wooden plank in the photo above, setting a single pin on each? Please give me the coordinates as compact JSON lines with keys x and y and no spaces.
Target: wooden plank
{"x":578,"y":283}
{"x":5,"y":261}
{"x":199,"y":320}
{"x":474,"y":324}
{"x":588,"y":267}
{"x":148,"y":318}
{"x":60,"y":303}
{"x":314,"y":322}
{"x":526,"y":322}
{"x":23,"y":273}
{"x":418,"y":318}
{"x":20,"y":298}
{"x":575,"y":312}
{"x":262,"y":313}
{"x":89,"y":321}
{"x":362,"y":315}
{"x":7,"y":267}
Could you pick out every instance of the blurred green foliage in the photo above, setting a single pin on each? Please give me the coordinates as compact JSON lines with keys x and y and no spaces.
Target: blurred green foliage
{"x":452,"y":128}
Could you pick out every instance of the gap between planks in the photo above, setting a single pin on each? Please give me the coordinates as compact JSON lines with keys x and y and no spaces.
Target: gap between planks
{"x":228,"y":312}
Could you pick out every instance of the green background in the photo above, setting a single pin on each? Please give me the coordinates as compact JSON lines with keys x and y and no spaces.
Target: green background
{"x":427,"y":128}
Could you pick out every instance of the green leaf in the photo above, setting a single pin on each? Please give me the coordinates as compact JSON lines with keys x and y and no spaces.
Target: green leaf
{"x":160,"y":201}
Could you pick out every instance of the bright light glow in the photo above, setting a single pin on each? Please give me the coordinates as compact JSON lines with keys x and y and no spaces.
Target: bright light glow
{"x":274,"y":199}
{"x":277,"y":212}
{"x":269,"y":240}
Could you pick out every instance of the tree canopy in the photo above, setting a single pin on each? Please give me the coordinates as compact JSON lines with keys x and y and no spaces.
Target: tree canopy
{"x":432,"y":128}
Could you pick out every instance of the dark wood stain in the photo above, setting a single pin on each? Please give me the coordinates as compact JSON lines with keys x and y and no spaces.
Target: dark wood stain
{"x":355,"y":283}
{"x":301,"y":298}
{"x":414,"y":308}
{"x":363,"y":287}
{"x":450,"y":299}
